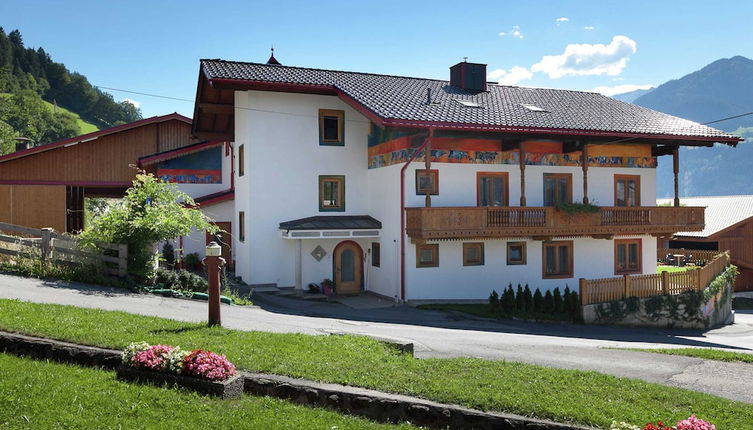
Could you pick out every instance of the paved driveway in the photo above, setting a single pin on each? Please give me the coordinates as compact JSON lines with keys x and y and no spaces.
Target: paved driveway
{"x":440,"y":334}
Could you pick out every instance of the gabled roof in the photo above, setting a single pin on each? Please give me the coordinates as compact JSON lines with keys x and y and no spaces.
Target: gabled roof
{"x":402,"y":101}
{"x":332,"y":222}
{"x":177,"y":152}
{"x":721,"y":212}
{"x":214,"y":198}
{"x":94,"y":135}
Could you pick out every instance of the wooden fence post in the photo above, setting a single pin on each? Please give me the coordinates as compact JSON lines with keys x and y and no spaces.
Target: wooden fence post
{"x":122,"y":259}
{"x":665,"y":282}
{"x":628,"y":290}
{"x":46,"y":244}
{"x":582,"y":289}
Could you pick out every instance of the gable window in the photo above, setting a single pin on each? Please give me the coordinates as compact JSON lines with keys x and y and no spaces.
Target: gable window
{"x":241,"y":160}
{"x":627,"y":190}
{"x":473,"y":254}
{"x":558,"y":189}
{"x":516,"y":253}
{"x":376,"y":257}
{"x":627,"y":256}
{"x":427,"y":181}
{"x":242,"y":226}
{"x":427,"y":255}
{"x":332,"y":193}
{"x":491,"y":188}
{"x":557,"y":259}
{"x":331,"y":126}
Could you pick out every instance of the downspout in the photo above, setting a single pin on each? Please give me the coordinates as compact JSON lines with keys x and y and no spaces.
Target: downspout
{"x":402,"y":210}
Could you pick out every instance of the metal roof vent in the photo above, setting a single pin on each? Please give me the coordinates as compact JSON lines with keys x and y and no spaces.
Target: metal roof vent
{"x":533,"y":108}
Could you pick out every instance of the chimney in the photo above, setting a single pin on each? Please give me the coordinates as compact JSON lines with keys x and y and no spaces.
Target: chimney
{"x":23,"y":143}
{"x":468,"y":76}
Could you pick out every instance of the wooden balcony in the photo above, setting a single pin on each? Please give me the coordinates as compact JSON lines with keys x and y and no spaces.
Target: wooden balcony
{"x":547,"y":222}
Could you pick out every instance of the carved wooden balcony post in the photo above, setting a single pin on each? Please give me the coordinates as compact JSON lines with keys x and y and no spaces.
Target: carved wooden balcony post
{"x":676,"y":170}
{"x":427,"y":171}
{"x":584,"y":163}
{"x":522,"y":160}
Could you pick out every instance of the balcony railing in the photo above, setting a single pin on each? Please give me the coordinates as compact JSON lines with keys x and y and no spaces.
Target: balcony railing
{"x":543,"y":222}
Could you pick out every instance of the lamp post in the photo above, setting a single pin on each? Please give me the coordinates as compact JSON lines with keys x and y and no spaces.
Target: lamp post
{"x":214,"y":263}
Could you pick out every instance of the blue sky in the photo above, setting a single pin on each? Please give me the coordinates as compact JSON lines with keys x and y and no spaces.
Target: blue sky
{"x":154,"y":47}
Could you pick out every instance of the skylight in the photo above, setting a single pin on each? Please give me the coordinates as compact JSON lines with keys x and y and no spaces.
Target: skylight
{"x":468,"y":103}
{"x":533,"y":108}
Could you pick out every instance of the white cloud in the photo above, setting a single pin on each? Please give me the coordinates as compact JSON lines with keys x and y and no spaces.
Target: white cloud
{"x":619,"y":89}
{"x":133,"y":102}
{"x":515,"y":32}
{"x":512,"y":77}
{"x":589,"y":27}
{"x":587,"y":59}
{"x":562,"y":19}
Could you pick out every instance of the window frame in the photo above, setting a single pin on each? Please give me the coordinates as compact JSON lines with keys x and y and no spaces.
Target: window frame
{"x":340,"y":115}
{"x":506,"y":193}
{"x":434,"y":247}
{"x":626,"y":178}
{"x":340,"y":179}
{"x":241,"y":226}
{"x":467,"y":246}
{"x":569,"y":197}
{"x":627,"y":243}
{"x":524,"y":254}
{"x":376,"y":254}
{"x":241,"y":160}
{"x":434,"y":174}
{"x":557,"y":243}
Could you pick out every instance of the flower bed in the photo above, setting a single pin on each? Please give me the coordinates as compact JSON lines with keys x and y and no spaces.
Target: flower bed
{"x":199,"y":370}
{"x":691,"y":423}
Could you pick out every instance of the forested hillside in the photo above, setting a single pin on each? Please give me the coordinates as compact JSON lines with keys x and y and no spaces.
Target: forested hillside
{"x":29,"y":78}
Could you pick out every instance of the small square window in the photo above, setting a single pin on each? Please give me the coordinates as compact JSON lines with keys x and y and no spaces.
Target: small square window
{"x":473,"y":254}
{"x":557,"y":259}
{"x":241,"y":226}
{"x":627,"y":256}
{"x":427,"y":255}
{"x":332,"y":193}
{"x":516,"y":253}
{"x":426,"y":182}
{"x":376,"y":258}
{"x":331,"y":127}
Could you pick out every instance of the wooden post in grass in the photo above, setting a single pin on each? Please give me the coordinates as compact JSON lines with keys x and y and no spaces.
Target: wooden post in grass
{"x":582,"y":288}
{"x":214,"y":262}
{"x":46,"y":243}
{"x":665,"y":282}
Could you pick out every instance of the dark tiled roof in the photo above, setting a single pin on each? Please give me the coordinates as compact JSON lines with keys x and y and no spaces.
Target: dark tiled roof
{"x":332,"y":222}
{"x":404,"y":98}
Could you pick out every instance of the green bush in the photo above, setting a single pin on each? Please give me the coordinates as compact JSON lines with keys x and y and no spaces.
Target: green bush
{"x":538,"y":301}
{"x":179,"y":280}
{"x":551,"y":305}
{"x":168,"y":254}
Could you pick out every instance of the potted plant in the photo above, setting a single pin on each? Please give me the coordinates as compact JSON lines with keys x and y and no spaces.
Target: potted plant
{"x":328,"y":287}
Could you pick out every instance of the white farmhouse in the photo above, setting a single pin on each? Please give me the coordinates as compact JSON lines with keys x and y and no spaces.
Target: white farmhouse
{"x":422,"y":189}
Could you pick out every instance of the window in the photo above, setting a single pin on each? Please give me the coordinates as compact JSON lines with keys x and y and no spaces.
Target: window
{"x":331,"y":124}
{"x":427,"y":255}
{"x":473,"y":254}
{"x":558,"y":189}
{"x":241,"y":160}
{"x":376,"y":257}
{"x":332,"y":193}
{"x":627,"y":190}
{"x":627,"y":256}
{"x":491,"y":188}
{"x":558,"y":259}
{"x":516,"y":253}
{"x":426,"y":181}
{"x":241,"y":226}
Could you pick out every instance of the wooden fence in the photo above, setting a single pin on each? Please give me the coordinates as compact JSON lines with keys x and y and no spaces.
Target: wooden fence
{"x":697,"y":256}
{"x":52,"y":246}
{"x":608,"y":289}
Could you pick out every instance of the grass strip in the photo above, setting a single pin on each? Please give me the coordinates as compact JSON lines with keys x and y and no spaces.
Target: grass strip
{"x":705,"y":353}
{"x":43,"y":395}
{"x":588,"y":398}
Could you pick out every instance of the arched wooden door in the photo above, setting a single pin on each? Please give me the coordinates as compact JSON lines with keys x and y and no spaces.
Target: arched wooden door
{"x":348,"y":268}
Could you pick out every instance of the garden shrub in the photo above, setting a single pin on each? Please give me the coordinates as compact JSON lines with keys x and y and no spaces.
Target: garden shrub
{"x":523,"y":304}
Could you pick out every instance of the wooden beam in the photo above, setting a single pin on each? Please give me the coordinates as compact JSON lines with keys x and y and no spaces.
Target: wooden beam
{"x":584,"y":164}
{"x":675,"y":171}
{"x":659,"y":150}
{"x":543,"y":238}
{"x":522,"y":162}
{"x":427,"y":172}
{"x":217,"y":108}
{"x":603,"y":236}
{"x":510,"y":145}
{"x":211,"y":135}
{"x":568,"y":147}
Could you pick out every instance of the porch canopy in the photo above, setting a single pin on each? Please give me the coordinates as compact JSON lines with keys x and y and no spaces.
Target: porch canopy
{"x":331,"y":227}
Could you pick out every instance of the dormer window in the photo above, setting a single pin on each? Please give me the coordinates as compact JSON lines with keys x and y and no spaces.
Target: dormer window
{"x":533,"y":108}
{"x":331,"y":127}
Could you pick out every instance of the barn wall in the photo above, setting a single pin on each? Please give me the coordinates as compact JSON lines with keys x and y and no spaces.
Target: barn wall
{"x":173,"y":134}
{"x":35,"y":206}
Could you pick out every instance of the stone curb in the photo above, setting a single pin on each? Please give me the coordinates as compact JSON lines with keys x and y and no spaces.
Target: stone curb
{"x":376,"y":405}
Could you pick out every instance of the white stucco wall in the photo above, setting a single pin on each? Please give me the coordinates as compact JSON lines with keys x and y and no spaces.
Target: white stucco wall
{"x":283,"y":163}
{"x":220,"y":212}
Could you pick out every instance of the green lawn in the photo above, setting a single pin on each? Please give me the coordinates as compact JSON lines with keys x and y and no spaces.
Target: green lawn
{"x":44,"y":395}
{"x":587,"y":398}
{"x":705,"y":353}
{"x":83,"y":125}
{"x":660,"y":269}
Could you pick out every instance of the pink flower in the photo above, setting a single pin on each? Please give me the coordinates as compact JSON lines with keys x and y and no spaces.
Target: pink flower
{"x":152,"y":358}
{"x":694,"y":423}
{"x":206,"y":364}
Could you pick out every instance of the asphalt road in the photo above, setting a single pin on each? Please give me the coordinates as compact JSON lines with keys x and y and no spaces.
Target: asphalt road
{"x":440,"y":334}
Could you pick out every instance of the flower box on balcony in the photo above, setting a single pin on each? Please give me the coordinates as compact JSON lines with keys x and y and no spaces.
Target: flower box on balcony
{"x":229,"y":388}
